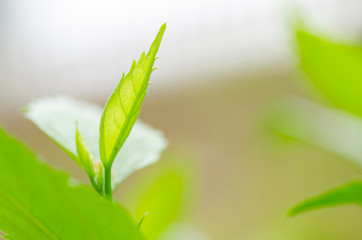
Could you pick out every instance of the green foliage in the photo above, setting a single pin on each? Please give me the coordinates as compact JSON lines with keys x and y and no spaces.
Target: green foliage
{"x":350,"y":193}
{"x":59,"y":116}
{"x":124,"y":105}
{"x":37,"y":202}
{"x":85,"y":158}
{"x":335,"y":69}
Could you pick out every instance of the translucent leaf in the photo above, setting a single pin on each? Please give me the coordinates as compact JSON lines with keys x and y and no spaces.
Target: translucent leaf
{"x":124,"y":105}
{"x":335,"y":69}
{"x":37,"y":202}
{"x":57,"y":117}
{"x":350,"y":193}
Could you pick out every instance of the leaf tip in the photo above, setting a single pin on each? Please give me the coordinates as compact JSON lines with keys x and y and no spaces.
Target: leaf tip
{"x":292,"y":212}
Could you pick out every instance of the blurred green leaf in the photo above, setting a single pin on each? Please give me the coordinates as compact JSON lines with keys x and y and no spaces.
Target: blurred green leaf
{"x":37,"y":202}
{"x":350,"y":193}
{"x":124,"y":105}
{"x":57,"y":117}
{"x":331,"y":129}
{"x":162,"y":197}
{"x":335,"y":69}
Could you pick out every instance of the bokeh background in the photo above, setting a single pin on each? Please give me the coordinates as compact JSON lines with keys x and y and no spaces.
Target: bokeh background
{"x":223,"y":67}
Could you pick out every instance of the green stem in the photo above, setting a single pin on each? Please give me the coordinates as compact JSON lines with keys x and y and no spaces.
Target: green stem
{"x":95,"y":185}
{"x":108,"y":183}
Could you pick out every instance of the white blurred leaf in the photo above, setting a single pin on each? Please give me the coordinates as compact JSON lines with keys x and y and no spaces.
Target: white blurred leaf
{"x":332,"y":129}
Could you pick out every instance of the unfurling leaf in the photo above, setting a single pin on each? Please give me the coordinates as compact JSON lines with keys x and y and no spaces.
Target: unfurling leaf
{"x":124,"y":105}
{"x":85,"y":158}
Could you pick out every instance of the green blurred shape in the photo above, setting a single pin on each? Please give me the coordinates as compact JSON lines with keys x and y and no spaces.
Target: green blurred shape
{"x":162,"y":196}
{"x":331,"y":129}
{"x":350,"y":193}
{"x":37,"y":202}
{"x":335,"y":69}
{"x":182,"y":231}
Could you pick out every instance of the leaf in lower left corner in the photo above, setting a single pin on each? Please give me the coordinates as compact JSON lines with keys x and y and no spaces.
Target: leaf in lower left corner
{"x":37,"y":202}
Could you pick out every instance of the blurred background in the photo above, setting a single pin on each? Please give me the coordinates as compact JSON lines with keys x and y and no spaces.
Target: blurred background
{"x":223,"y":68}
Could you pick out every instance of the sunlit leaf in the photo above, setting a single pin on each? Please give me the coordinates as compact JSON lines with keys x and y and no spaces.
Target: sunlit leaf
{"x":57,"y":117}
{"x":124,"y":105}
{"x":37,"y":202}
{"x":335,"y":69}
{"x":350,"y":193}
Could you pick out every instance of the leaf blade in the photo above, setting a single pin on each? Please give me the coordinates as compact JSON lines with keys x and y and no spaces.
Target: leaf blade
{"x":32,"y":194}
{"x":335,"y":69}
{"x":123,"y":107}
{"x":350,"y":193}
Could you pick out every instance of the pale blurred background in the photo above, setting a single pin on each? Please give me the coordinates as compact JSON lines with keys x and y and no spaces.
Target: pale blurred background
{"x":222,"y":65}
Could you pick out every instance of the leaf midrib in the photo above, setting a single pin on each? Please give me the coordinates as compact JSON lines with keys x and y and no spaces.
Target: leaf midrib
{"x":131,"y":112}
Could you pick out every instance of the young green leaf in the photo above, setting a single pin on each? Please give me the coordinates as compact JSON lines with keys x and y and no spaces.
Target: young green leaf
{"x":350,"y":193}
{"x":86,"y":162}
{"x":86,"y":159}
{"x":335,"y":69}
{"x":57,"y":117}
{"x":124,"y":105}
{"x":37,"y":202}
